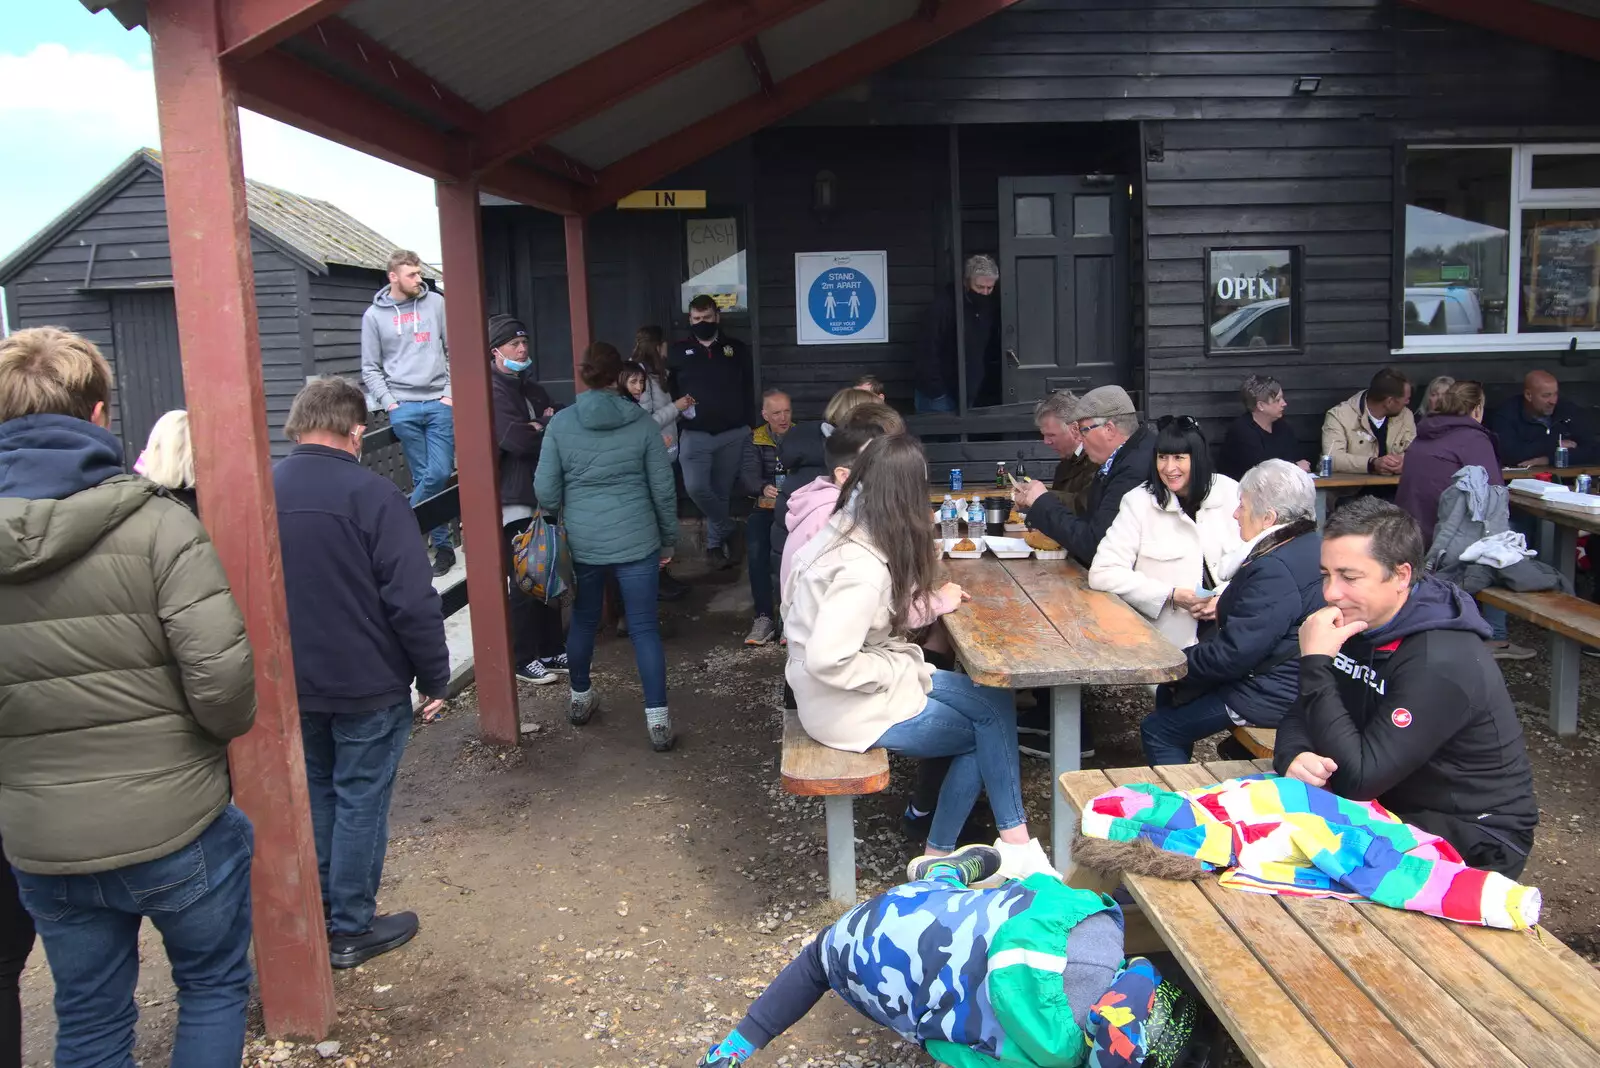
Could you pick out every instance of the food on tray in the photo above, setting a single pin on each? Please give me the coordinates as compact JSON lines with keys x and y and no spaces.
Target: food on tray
{"x":1014,"y":517}
{"x":1038,"y":541}
{"x":965,"y":545}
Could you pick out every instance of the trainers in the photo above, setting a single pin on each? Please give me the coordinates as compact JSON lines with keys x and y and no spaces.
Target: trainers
{"x":712,"y":1060}
{"x":555,"y":663}
{"x":1021,"y":861}
{"x":659,"y":722}
{"x":975,"y":863}
{"x":581,"y":707}
{"x":386,"y":933}
{"x":720,"y":557}
{"x":669,"y":588}
{"x":1502,"y":650}
{"x":535,"y":672}
{"x":762,"y":632}
{"x":444,"y":558}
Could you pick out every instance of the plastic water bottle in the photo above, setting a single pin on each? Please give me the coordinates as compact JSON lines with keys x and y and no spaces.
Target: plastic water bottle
{"x":977,"y":520}
{"x":947,"y":519}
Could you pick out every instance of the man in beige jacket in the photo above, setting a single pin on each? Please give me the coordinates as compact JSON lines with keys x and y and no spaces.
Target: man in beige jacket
{"x":1369,"y":433}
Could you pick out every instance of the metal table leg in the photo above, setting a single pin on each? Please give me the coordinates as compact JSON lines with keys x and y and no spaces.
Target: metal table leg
{"x":1565,"y":654}
{"x":1322,"y":506}
{"x":841,"y":817}
{"x":1548,"y":548}
{"x":1066,"y":719}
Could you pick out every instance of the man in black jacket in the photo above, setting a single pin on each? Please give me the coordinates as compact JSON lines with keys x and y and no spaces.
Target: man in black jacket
{"x":716,"y":371}
{"x":1123,"y":452}
{"x":364,"y":621}
{"x":1530,"y":427}
{"x":521,"y":410}
{"x":1399,"y":700}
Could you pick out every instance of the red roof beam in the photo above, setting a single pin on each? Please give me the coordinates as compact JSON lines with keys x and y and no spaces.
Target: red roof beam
{"x":1542,"y":24}
{"x":562,"y":102}
{"x":342,"y":43}
{"x":250,"y":27}
{"x":800,"y":90}
{"x":758,"y":64}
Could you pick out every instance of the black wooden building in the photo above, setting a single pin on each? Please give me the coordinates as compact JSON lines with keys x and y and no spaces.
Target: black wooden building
{"x":102,"y":269}
{"x":1313,"y":189}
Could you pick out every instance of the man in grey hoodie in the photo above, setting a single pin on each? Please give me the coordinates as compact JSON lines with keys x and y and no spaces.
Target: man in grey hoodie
{"x":406,"y":371}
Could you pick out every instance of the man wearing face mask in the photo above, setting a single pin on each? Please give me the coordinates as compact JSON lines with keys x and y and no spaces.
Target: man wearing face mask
{"x":715,"y":370}
{"x":522,"y":409}
{"x":975,"y":311}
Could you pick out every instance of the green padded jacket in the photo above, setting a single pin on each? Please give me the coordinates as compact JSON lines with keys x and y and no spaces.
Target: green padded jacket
{"x":126,"y":671}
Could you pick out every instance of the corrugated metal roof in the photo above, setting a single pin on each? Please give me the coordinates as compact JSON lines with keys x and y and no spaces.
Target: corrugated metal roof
{"x":819,"y":32}
{"x":661,"y":110}
{"x":488,"y":51}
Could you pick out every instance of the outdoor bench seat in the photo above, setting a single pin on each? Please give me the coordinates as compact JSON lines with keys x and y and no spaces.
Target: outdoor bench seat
{"x":1571,"y":621}
{"x":811,"y":769}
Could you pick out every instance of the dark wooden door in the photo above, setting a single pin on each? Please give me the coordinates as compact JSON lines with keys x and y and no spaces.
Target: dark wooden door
{"x":144,"y":338}
{"x":1063,"y":285}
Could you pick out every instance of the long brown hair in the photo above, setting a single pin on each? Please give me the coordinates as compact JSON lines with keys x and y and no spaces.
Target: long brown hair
{"x":647,"y":344}
{"x":886,"y":499}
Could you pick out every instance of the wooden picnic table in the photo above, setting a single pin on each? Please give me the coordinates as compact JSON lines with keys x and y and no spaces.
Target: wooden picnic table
{"x":1036,"y":623}
{"x":1558,"y":546}
{"x":1331,"y":487}
{"x":1308,"y":983}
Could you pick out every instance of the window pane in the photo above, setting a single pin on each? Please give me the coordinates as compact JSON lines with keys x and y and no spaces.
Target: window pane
{"x":1560,"y":270}
{"x":1250,"y":300}
{"x":1458,"y":212}
{"x":1091,"y":216}
{"x":1562,"y":170}
{"x":1035,"y":216}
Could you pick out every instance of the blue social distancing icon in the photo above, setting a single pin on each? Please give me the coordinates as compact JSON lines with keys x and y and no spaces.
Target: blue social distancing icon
{"x":842,"y":300}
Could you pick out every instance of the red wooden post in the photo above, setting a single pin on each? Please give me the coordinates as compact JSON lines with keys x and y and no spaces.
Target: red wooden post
{"x":216,"y":300}
{"x":577,"y":228}
{"x":477,"y":459}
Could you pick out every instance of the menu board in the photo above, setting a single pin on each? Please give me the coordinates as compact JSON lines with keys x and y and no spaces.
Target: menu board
{"x":1563,"y":284}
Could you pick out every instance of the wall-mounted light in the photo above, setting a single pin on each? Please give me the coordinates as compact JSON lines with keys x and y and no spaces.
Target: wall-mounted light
{"x":824,"y":194}
{"x":1307,"y":84}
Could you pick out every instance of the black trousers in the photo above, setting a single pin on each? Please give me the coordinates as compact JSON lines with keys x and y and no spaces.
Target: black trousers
{"x":535,"y":626}
{"x":16,"y":942}
{"x":792,"y":994}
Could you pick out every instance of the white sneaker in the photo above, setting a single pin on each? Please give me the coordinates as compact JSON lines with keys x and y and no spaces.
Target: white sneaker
{"x":1021,"y":861}
{"x":535,"y":672}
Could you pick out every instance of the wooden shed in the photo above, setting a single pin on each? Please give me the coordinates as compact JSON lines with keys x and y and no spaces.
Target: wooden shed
{"x":103,"y":269}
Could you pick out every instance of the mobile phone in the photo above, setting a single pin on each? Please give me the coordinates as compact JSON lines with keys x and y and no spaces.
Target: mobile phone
{"x":1202,"y":593}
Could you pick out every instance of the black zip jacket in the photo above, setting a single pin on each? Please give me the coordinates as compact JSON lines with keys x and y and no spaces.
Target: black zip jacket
{"x":1521,"y":437}
{"x":720,"y":379}
{"x":1416,"y":715}
{"x":513,"y":432}
{"x":1080,"y":534}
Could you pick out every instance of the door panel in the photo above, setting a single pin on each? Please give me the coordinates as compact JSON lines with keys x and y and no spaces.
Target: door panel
{"x":1063,"y":285}
{"x":144,"y":335}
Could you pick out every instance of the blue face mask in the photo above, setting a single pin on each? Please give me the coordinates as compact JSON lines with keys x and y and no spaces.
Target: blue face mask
{"x":516,"y":367}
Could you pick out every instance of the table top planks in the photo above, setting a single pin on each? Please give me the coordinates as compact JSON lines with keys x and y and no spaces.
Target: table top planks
{"x":1376,"y":986}
{"x":1037,"y":623}
{"x":1555,"y":513}
{"x":1333,"y":482}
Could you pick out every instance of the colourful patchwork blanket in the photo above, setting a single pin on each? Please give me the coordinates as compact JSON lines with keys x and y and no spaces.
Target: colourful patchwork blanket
{"x":1281,"y":836}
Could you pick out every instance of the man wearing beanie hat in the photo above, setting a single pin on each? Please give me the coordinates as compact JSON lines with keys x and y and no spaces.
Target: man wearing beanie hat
{"x":522,"y":409}
{"x":1114,"y":439}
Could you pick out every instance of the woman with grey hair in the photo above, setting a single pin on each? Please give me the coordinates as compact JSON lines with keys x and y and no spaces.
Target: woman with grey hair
{"x":1433,"y":395}
{"x":1247,"y":670}
{"x":973,"y":310}
{"x":1260,"y":433}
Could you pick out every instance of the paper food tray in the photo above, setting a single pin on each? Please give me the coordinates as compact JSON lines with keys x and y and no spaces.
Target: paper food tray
{"x":979,"y":542}
{"x":1534,"y":487}
{"x":1581,"y":502}
{"x":1049,"y":554}
{"x":1009,"y":548}
{"x":1016,"y":528}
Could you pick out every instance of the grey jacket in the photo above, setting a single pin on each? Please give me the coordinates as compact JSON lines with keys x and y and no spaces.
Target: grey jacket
{"x":403,"y":352}
{"x":1470,"y":510}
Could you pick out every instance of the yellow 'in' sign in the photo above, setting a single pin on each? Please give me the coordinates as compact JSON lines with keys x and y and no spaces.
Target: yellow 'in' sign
{"x":668,"y":199}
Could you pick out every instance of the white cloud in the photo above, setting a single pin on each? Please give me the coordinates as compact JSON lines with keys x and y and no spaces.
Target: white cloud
{"x":71,"y":117}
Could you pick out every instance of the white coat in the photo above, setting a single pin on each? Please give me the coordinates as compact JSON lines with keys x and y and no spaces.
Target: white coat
{"x":1149,"y":551}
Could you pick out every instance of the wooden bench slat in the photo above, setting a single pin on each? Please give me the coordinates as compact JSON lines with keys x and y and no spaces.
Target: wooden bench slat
{"x":811,"y":769}
{"x":1549,"y":972}
{"x":1536,"y":1035}
{"x":1567,"y":615}
{"x":1259,"y":741}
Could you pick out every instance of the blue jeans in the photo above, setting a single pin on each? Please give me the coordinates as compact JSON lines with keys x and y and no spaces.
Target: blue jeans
{"x":926,"y":404}
{"x":427,"y":433}
{"x":710,"y":465}
{"x":1496,"y":618}
{"x":1169,"y":733}
{"x":351,"y":762}
{"x":977,"y":725}
{"x":638,"y":582}
{"x":199,"y":899}
{"x":758,"y":546}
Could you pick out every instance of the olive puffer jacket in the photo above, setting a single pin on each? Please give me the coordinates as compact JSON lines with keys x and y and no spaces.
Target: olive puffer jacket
{"x":605,"y":470}
{"x":126,"y":667}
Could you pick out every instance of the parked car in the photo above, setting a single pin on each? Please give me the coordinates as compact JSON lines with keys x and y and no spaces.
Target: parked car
{"x":1443,"y":310}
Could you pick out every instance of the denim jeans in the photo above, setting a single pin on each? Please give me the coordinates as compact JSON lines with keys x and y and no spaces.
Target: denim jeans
{"x":977,"y":725}
{"x":199,"y":900}
{"x":1496,"y":618}
{"x":1169,"y":733}
{"x":351,"y":762}
{"x":758,"y":546}
{"x":16,"y":942}
{"x":427,"y":434}
{"x":927,"y":405}
{"x":638,"y":581}
{"x":710,"y":465}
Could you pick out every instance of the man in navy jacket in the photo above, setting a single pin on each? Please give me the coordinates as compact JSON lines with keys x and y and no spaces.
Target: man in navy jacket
{"x":364,"y":622}
{"x":1531,"y":426}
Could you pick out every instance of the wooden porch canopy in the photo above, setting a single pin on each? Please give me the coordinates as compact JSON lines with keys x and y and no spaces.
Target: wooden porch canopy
{"x":562,"y":106}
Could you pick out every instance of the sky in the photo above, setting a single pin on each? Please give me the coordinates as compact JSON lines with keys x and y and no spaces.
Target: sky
{"x":76,"y":99}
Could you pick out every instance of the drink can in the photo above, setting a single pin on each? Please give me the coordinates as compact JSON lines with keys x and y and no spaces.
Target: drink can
{"x":1563,"y":456}
{"x":1583,"y":484}
{"x":1325,"y":467}
{"x":955,"y":480}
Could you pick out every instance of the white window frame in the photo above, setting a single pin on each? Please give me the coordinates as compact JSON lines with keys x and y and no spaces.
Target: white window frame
{"x":1523,"y":197}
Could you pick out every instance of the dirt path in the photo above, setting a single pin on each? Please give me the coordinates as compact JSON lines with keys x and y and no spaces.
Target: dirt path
{"x":586,"y":901}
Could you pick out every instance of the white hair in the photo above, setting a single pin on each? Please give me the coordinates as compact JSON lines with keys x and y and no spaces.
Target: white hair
{"x":981,"y":266}
{"x":168,"y":457}
{"x":1279,"y":487}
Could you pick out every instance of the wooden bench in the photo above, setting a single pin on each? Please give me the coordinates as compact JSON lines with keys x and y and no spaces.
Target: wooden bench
{"x":1258,"y":741}
{"x":1571,"y":621}
{"x":811,"y":769}
{"x":1306,"y":983}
